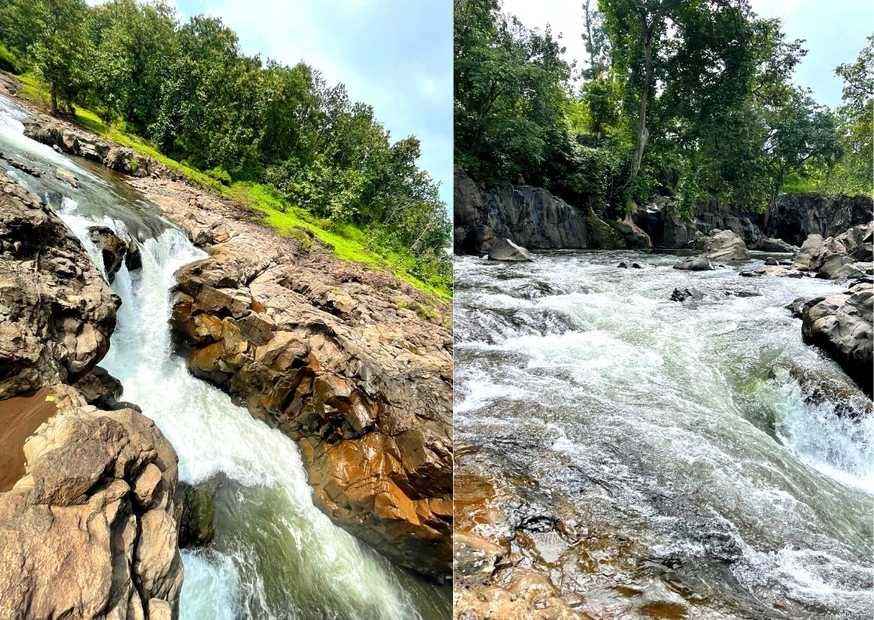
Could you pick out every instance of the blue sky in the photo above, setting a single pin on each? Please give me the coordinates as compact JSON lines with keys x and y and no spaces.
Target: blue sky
{"x":395,"y":55}
{"x":835,"y":31}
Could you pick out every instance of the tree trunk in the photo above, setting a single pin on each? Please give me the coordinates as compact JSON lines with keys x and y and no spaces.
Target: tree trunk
{"x":642,"y":131}
{"x":54,"y":91}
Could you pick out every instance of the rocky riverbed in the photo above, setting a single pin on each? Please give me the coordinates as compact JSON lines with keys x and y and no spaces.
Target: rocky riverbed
{"x":625,"y":453}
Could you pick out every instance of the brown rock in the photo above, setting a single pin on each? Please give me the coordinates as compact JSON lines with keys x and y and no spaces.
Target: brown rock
{"x":56,"y":311}
{"x":75,"y":541}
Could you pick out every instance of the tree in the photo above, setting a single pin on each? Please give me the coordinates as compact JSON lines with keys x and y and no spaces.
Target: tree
{"x":696,"y":52}
{"x":854,"y":173}
{"x":60,"y":48}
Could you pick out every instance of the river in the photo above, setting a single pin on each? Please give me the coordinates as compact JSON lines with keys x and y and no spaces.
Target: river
{"x":275,"y":555}
{"x":669,"y":437}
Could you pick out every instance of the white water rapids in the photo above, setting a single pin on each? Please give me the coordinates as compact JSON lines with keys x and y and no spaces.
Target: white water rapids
{"x":275,"y":554}
{"x":673,"y":426}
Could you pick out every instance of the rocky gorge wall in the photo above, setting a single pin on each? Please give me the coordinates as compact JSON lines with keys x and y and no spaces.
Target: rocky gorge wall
{"x":790,"y":220}
{"x":90,"y":529}
{"x":531,"y":217}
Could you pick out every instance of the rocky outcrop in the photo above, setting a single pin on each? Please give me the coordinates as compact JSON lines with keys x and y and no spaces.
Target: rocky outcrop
{"x":531,"y":216}
{"x":90,"y":531}
{"x":841,"y":325}
{"x":507,"y":251}
{"x":784,"y":224}
{"x":848,"y":255}
{"x":796,"y":216}
{"x":115,"y":251}
{"x":351,"y":363}
{"x":56,"y":311}
{"x":724,"y":246}
{"x":534,"y":218}
{"x":74,"y":141}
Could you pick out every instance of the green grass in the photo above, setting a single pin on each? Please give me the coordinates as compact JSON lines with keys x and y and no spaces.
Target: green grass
{"x":348,"y":242}
{"x":8,"y":60}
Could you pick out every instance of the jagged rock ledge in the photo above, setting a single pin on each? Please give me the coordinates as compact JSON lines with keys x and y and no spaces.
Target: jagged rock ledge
{"x":90,"y":528}
{"x":353,"y":364}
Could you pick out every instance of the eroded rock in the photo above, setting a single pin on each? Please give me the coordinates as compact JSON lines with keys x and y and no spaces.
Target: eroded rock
{"x":507,"y":251}
{"x":56,"y":311}
{"x":841,"y":325}
{"x":724,"y":246}
{"x":76,"y":539}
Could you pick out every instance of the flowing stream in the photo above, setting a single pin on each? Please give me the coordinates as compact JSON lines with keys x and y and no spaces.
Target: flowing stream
{"x":275,"y":554}
{"x":673,"y":433}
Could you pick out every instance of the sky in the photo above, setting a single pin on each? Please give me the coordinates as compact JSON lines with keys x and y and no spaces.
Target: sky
{"x":395,"y":55}
{"x":834,"y":31}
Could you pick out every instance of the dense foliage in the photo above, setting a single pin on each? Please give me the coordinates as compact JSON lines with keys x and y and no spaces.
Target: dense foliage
{"x":189,"y":89}
{"x":678,"y":97}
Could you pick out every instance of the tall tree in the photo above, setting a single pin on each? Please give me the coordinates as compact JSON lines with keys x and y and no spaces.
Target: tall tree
{"x":61,"y":49}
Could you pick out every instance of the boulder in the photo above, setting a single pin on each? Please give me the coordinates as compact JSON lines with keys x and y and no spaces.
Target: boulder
{"x":112,"y":249}
{"x":686,"y":294}
{"x":99,"y":388}
{"x":824,"y":388}
{"x":82,"y":535}
{"x":771,"y":244}
{"x":724,"y":246}
{"x":840,"y":325}
{"x":197,"y":514}
{"x":507,"y":251}
{"x":840,"y":257}
{"x":56,"y":311}
{"x":695,"y":263}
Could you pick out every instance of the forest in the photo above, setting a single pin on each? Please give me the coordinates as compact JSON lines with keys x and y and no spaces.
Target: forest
{"x":681,"y":98}
{"x":189,"y":90}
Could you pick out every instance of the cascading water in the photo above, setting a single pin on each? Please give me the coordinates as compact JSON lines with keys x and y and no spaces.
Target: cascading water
{"x":275,"y":555}
{"x":673,"y":430}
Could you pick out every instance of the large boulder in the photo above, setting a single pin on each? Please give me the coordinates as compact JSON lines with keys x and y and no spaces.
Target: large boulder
{"x":507,"y":251}
{"x":90,"y":531}
{"x":770,"y":244}
{"x":724,"y":246}
{"x":695,"y":263}
{"x":847,"y":255}
{"x":840,"y":325}
{"x":56,"y":311}
{"x":112,"y":249}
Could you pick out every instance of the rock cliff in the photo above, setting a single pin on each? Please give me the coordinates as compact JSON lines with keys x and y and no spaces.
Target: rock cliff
{"x":532,"y":217}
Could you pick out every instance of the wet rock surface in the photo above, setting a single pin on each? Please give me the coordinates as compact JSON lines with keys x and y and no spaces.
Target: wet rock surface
{"x":56,"y":311}
{"x":74,"y":141}
{"x":506,"y":250}
{"x":841,"y":326}
{"x":351,"y":363}
{"x":98,"y":495}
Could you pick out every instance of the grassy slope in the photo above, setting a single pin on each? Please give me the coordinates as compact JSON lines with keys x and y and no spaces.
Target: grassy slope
{"x":349,"y":243}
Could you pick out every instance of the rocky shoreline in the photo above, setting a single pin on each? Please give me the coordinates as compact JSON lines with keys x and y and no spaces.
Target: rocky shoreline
{"x":353,"y":364}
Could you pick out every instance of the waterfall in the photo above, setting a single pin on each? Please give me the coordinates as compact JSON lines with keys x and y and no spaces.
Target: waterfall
{"x":275,"y":554}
